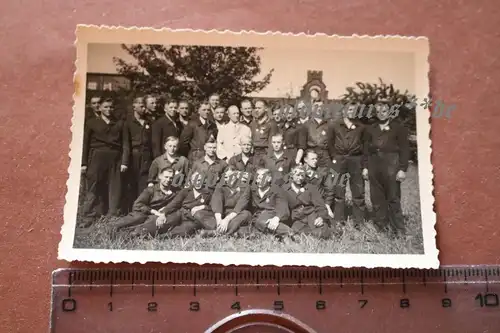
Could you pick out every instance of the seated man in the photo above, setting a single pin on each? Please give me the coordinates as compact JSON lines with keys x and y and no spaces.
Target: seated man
{"x":187,"y":212}
{"x":321,"y":178}
{"x":149,"y":205}
{"x":230,"y":204}
{"x":170,"y":159}
{"x":210,"y":165}
{"x":270,"y":209}
{"x":307,"y":208}
{"x":277,"y":161}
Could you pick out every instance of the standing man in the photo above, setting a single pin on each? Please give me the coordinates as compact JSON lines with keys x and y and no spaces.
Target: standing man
{"x":262,"y":129}
{"x":346,"y":150}
{"x":277,"y":117}
{"x":184,"y":113}
{"x":303,"y":112}
{"x":214,"y":101}
{"x":105,"y":157}
{"x":246,"y":112}
{"x":308,"y":211}
{"x":151,"y":110}
{"x":387,"y":151}
{"x":196,"y":133}
{"x":165,"y":126}
{"x":93,"y":110}
{"x":138,"y":138}
{"x":229,"y":137}
{"x":314,"y":135}
{"x":291,"y":135}
{"x":219,"y":115}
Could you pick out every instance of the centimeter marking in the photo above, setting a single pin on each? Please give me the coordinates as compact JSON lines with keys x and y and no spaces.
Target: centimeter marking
{"x":238,"y":277}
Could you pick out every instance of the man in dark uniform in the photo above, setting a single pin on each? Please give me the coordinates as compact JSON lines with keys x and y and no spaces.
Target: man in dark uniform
{"x":149,"y":206}
{"x":308,"y":211}
{"x":170,"y":159}
{"x":291,"y":134}
{"x":245,"y":161}
{"x":105,"y":156}
{"x":150,"y":102}
{"x":387,"y":151}
{"x":246,"y":112}
{"x":303,"y":111}
{"x":220,"y":117}
{"x":138,"y":138}
{"x":184,"y":113}
{"x":214,"y":101}
{"x":210,"y":165}
{"x":190,"y":209}
{"x":166,"y":126}
{"x":196,"y":133}
{"x":230,"y":203}
{"x":262,"y":129}
{"x":277,"y":116}
{"x":345,"y":142}
{"x":314,"y":135}
{"x":270,"y":208}
{"x":93,"y":110}
{"x":321,"y":178}
{"x":276,"y":160}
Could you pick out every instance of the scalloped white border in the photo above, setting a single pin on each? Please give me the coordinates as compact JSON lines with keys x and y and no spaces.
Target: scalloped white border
{"x":112,"y":34}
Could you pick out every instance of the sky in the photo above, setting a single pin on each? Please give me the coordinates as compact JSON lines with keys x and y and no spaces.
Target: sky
{"x":341,"y":69}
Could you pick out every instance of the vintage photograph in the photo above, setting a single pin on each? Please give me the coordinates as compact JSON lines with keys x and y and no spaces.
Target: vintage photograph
{"x":247,"y":148}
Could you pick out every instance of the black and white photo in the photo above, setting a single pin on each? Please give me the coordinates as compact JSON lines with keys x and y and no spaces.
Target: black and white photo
{"x":246,"y":148}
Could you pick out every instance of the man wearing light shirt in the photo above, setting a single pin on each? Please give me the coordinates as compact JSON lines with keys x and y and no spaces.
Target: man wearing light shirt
{"x":229,"y":138}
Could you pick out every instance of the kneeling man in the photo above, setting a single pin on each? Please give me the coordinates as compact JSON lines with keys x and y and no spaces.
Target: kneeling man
{"x":308,"y":210}
{"x":270,"y":207}
{"x":150,"y":203}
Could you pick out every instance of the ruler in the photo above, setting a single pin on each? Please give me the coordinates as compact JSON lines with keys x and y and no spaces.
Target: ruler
{"x":270,"y":299}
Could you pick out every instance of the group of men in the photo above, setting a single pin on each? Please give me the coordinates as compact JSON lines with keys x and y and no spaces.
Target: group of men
{"x":234,"y":170}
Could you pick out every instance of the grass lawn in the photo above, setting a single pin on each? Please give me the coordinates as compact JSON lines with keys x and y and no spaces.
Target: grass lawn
{"x":365,"y":240}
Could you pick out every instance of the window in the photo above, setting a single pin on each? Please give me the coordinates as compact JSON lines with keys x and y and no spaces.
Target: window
{"x":92,"y":85}
{"x":107,"y":86}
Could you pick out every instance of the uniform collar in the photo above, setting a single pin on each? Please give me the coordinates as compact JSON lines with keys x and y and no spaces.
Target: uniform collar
{"x":175,"y":159}
{"x":384,"y":127}
{"x":261,"y":193}
{"x":315,"y":122}
{"x":167,"y":191}
{"x":349,"y":124}
{"x":273,"y":155}
{"x":290,"y":186}
{"x":210,"y":162}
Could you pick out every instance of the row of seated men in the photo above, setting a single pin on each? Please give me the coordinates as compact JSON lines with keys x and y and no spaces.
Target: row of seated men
{"x":236,"y":206}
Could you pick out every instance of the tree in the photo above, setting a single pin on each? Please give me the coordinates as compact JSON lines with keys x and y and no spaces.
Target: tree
{"x":369,"y":94}
{"x":194,"y":72}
